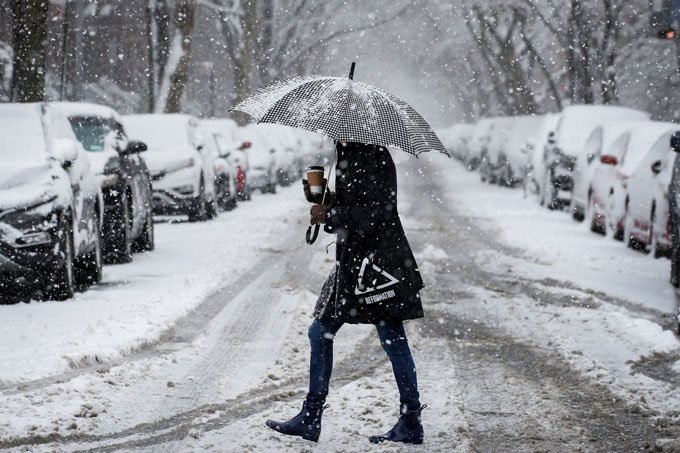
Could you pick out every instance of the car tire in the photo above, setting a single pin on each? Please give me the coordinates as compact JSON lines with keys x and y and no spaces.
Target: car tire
{"x":198,"y":212}
{"x":88,"y":269}
{"x":146,"y":241}
{"x":119,"y":248}
{"x":60,"y":281}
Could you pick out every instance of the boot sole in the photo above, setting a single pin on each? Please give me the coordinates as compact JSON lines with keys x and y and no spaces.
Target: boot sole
{"x":378,"y":440}
{"x":313,"y":438}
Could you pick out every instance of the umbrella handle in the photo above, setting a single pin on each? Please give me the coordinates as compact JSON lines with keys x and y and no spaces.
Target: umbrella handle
{"x":311,"y":237}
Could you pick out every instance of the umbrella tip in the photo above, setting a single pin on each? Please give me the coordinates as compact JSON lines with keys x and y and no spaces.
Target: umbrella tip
{"x":351,"y":70}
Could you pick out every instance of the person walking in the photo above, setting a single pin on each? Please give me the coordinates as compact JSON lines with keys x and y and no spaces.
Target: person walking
{"x":375,"y":281}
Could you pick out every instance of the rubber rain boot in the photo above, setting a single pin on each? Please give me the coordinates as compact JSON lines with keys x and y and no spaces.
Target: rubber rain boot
{"x":408,"y":429}
{"x":306,"y":424}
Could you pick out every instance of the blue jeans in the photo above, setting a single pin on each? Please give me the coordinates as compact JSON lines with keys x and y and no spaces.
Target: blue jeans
{"x":394,"y":342}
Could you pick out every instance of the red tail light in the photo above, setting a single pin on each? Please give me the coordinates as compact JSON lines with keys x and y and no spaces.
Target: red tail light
{"x":608,"y":159}
{"x":245,"y":145}
{"x":240,"y":179}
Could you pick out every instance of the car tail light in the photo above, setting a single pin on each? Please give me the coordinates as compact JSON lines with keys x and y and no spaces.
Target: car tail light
{"x":245,"y":145}
{"x":608,"y":159}
{"x":240,"y":178}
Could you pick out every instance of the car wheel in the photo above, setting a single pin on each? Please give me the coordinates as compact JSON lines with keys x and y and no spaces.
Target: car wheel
{"x":119,"y":246}
{"x":60,"y":281}
{"x":88,"y":269}
{"x":198,"y":213}
{"x":146,"y":240}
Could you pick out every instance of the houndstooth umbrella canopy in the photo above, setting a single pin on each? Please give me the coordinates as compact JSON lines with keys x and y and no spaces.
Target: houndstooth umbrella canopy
{"x":343,"y":109}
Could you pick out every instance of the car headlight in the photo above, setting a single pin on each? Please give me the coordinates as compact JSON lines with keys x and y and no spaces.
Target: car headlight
{"x":33,"y":220}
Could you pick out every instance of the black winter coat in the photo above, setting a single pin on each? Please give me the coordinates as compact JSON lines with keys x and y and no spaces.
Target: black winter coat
{"x":376,"y":277}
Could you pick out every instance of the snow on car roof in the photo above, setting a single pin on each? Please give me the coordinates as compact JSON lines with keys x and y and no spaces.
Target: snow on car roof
{"x":161,"y":131}
{"x":86,"y":109}
{"x":577,"y":122}
{"x":642,"y":139}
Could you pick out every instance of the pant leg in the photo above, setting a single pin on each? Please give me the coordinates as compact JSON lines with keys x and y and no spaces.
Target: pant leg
{"x":321,"y":336}
{"x":394,"y":342}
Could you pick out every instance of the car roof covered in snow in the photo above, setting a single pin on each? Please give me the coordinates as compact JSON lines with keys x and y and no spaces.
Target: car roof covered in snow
{"x":161,"y":131}
{"x":86,"y":109}
{"x":641,"y":142}
{"x":612,"y":130}
{"x":577,"y":122}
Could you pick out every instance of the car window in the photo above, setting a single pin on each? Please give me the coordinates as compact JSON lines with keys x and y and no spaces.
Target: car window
{"x":92,"y":131}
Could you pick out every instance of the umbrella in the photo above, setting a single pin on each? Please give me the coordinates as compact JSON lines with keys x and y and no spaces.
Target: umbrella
{"x":343,"y":109}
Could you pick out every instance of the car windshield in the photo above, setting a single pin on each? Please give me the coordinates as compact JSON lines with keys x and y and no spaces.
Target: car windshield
{"x":22,"y":138}
{"x":91,"y":131}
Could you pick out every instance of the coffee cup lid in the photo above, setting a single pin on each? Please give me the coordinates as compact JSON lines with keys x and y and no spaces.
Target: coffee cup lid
{"x":314,"y":167}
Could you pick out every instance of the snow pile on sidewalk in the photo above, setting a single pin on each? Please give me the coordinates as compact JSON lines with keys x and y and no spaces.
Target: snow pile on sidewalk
{"x":137,"y":302}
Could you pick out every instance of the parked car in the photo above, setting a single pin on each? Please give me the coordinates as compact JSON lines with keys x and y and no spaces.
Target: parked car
{"x":262,"y":174}
{"x":610,"y":194}
{"x":182,"y":172}
{"x":647,"y":225}
{"x":225,"y":175}
{"x":534,"y":168}
{"x":588,"y":163}
{"x":479,"y":143}
{"x":573,"y":129}
{"x":124,"y":177}
{"x":674,"y":208}
{"x":456,"y":139}
{"x":50,"y":203}
{"x":229,"y":141}
{"x":499,"y":135}
{"x":511,"y":162}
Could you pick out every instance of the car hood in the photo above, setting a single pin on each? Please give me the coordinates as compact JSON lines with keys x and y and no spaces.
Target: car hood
{"x":170,"y":160}
{"x":25,"y":185}
{"x":100,"y":161}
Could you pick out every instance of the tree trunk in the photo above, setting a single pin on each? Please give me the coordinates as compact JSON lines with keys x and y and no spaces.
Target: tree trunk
{"x":177,"y":69}
{"x":29,"y":30}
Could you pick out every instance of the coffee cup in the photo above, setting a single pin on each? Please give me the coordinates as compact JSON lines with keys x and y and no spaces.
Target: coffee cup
{"x":315,"y":179}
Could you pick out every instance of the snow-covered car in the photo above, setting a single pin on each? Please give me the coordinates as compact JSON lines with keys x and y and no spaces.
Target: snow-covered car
{"x":286,"y":148}
{"x":123,"y":175}
{"x":50,"y":203}
{"x":534,"y":168}
{"x":479,"y":143}
{"x":225,"y":175}
{"x":457,"y":138}
{"x":610,"y":191}
{"x":510,"y":164}
{"x":182,"y":175}
{"x":489,"y":159}
{"x":674,"y":214}
{"x":588,"y":162}
{"x":647,"y":225}
{"x":262,"y":173}
{"x":573,"y":129}
{"x":227,"y":134}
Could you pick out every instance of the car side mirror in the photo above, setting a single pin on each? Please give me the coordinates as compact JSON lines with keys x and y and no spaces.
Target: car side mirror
{"x":134,"y":147}
{"x":656,"y":167}
{"x":225,"y":154}
{"x":675,"y":142}
{"x":65,"y":151}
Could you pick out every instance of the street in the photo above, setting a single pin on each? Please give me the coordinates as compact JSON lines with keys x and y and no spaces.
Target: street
{"x":509,"y":357}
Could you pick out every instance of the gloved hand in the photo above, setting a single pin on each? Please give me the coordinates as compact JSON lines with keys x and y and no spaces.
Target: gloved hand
{"x":316,"y":198}
{"x":318,"y":214}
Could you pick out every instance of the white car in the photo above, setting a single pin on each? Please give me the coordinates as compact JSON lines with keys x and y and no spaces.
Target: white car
{"x":228,"y":136}
{"x":479,"y":143}
{"x":610,"y":195}
{"x":573,"y":129}
{"x":510,"y":164}
{"x":51,"y":205}
{"x":647,"y":225}
{"x":457,"y":138}
{"x":262,"y":174}
{"x":182,"y":170}
{"x":500,"y":132}
{"x":588,"y":164}
{"x":534,"y":168}
{"x":225,"y":172}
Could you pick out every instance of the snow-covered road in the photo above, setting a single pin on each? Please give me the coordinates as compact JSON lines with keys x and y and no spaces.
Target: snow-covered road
{"x":538,"y":336}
